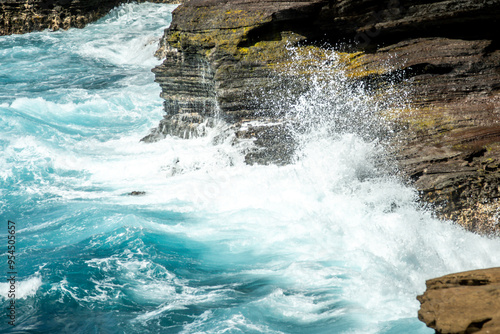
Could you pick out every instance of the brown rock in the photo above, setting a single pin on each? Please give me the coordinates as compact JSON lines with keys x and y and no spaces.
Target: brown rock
{"x":467,"y":302}
{"x":220,"y":56}
{"x":451,"y":140}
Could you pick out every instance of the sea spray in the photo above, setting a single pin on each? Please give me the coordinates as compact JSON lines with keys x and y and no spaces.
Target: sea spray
{"x":327,"y":244}
{"x":317,"y":92}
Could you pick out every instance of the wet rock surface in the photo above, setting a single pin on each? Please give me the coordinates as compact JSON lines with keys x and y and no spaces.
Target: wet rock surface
{"x":451,"y":140}
{"x":136,"y":193}
{"x":467,"y":302}
{"x":220,"y":58}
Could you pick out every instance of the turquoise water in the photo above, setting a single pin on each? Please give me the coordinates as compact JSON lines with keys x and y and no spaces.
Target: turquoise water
{"x":328,"y":244}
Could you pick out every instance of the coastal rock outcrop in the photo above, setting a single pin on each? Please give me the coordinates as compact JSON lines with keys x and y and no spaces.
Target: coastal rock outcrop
{"x":220,"y":56}
{"x":23,"y":16}
{"x":467,"y":302}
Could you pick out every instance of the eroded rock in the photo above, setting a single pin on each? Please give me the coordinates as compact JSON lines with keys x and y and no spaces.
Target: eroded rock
{"x":462,"y":303}
{"x":222,"y":56}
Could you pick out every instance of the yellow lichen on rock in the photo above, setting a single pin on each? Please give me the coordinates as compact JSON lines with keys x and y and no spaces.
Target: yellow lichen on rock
{"x":357,"y":65}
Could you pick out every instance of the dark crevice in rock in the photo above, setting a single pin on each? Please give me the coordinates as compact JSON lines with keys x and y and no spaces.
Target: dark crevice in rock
{"x":477,"y":154}
{"x":473,"y":282}
{"x":390,"y":23}
{"x":476,"y":326}
{"x":494,"y":46}
{"x":415,"y":176}
{"x":273,"y":30}
{"x":427,"y":68}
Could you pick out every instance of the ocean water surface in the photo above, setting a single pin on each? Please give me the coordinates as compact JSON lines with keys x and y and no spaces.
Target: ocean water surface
{"x":328,"y":244}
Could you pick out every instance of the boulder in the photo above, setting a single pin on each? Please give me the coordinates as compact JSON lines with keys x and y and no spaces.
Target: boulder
{"x":462,"y":303}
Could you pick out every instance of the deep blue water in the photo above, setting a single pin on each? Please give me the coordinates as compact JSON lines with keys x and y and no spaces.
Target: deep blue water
{"x":325,"y":245}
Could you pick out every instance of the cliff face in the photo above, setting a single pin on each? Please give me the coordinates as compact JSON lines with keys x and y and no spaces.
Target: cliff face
{"x":219,"y":55}
{"x":461,"y":303}
{"x":23,"y":16}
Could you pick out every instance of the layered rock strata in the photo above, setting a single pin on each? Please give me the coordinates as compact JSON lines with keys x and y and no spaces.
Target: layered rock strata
{"x":451,"y":144}
{"x":467,"y":302}
{"x":23,"y":16}
{"x":220,"y":56}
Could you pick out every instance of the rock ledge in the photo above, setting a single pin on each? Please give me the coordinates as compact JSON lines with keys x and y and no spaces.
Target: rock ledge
{"x":466,"y":302}
{"x":220,"y":57}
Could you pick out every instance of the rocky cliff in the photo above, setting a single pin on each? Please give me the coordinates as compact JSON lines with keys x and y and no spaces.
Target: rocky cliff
{"x":22,"y":16}
{"x":218,"y":56}
{"x":467,"y":302}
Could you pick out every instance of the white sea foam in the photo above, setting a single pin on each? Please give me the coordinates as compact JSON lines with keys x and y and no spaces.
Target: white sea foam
{"x":22,"y":289}
{"x":334,"y":235}
{"x":133,"y":45}
{"x":333,"y":223}
{"x":327,"y":224}
{"x":236,"y":323}
{"x":330,"y":223}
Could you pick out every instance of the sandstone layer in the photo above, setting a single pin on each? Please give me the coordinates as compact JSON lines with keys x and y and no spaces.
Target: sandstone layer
{"x":23,"y":16}
{"x":219,"y":57}
{"x":467,"y":302}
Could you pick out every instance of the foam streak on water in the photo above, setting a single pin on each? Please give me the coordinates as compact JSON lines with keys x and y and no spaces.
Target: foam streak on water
{"x":329,"y":244}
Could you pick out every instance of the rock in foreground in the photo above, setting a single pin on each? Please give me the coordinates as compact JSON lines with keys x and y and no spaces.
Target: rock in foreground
{"x":466,"y":302}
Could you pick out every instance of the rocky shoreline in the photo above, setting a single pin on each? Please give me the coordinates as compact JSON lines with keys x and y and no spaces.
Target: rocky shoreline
{"x":445,"y":53}
{"x":23,"y":16}
{"x":218,"y":56}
